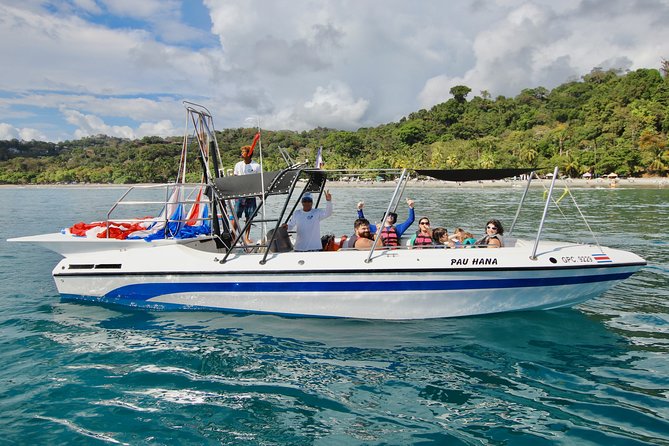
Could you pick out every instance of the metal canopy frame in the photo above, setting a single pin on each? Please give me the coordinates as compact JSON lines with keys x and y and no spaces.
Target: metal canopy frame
{"x":283,"y":182}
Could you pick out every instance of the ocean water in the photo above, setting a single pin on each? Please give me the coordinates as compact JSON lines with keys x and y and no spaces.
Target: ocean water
{"x":597,"y":374}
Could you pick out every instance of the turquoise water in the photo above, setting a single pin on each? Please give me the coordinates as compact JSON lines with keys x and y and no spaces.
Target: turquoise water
{"x":85,"y":374}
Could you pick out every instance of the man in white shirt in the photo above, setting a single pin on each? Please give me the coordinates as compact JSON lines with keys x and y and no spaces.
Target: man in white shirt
{"x":246,"y":206}
{"x":246,"y":165}
{"x":307,"y":223}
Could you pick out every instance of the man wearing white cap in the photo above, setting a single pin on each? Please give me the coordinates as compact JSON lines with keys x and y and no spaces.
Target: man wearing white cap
{"x":307,"y":223}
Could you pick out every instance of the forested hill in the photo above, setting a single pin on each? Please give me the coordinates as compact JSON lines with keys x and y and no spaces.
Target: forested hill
{"x":606,"y":122}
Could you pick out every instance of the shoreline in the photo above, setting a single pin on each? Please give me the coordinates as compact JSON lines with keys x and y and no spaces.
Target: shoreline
{"x":576,"y":183}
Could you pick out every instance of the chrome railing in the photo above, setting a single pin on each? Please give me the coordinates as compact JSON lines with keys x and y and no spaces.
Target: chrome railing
{"x":164,"y":208}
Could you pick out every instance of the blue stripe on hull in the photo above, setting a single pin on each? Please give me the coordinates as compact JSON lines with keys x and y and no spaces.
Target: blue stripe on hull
{"x":145,"y":291}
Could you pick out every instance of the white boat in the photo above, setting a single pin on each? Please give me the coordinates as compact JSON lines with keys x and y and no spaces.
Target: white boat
{"x":214,"y":269}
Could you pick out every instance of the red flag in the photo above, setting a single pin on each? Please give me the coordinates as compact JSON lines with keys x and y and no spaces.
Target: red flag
{"x":255,"y":141}
{"x":194,"y":214}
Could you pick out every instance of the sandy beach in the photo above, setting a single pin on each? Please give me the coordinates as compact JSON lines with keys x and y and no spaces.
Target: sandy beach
{"x":647,"y":183}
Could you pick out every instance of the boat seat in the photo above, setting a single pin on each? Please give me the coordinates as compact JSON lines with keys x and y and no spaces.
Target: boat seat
{"x":510,"y":242}
{"x":282,"y":242}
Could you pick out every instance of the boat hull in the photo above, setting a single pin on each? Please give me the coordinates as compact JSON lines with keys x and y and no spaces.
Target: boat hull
{"x":409,"y":297}
{"x":400,"y":284}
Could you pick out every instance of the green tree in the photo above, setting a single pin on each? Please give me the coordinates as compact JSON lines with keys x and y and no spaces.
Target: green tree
{"x":607,"y":121}
{"x":411,"y":132}
{"x":487,"y":160}
{"x":460,"y":92}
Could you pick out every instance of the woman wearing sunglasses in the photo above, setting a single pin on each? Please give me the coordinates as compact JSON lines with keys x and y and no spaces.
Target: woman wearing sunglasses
{"x":493,"y":235}
{"x":424,"y":235}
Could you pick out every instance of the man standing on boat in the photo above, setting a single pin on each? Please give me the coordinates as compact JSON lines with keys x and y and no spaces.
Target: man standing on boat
{"x":391,"y":232}
{"x":307,"y":223}
{"x":246,"y":206}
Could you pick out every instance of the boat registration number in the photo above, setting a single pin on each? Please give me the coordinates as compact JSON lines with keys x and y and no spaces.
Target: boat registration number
{"x":577,"y":259}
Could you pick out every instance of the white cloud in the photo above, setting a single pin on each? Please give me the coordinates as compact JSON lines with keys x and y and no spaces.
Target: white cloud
{"x":299,"y":64}
{"x":89,"y":6}
{"x":335,"y":106}
{"x":160,"y":128}
{"x":163,"y":17}
{"x":68,"y":54}
{"x":28,"y":134}
{"x":144,"y":9}
{"x":135,"y":108}
{"x":88,"y":125}
{"x":538,"y":44}
{"x":8,"y":131}
{"x":332,"y":106}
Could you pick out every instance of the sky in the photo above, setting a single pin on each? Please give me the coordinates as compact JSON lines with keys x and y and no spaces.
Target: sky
{"x":74,"y":68}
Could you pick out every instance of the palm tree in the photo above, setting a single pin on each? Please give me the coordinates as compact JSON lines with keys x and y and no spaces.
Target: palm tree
{"x":657,"y":165}
{"x":571,"y":166}
{"x":528,"y":154}
{"x":487,"y":161}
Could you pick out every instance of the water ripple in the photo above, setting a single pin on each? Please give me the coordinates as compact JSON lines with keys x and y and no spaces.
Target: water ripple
{"x":82,"y":374}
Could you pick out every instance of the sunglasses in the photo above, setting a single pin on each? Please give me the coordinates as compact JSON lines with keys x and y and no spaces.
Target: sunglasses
{"x":492,"y":227}
{"x":424,"y":223}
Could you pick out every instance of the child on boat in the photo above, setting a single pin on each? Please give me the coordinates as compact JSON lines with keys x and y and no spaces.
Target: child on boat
{"x":462,"y":238}
{"x":441,"y":238}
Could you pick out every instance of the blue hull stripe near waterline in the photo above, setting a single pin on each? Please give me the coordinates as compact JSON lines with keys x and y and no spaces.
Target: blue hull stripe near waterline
{"x":144,"y":291}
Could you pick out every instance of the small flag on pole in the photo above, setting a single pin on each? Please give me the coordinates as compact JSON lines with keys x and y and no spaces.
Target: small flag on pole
{"x":255,"y":141}
{"x":319,"y":158}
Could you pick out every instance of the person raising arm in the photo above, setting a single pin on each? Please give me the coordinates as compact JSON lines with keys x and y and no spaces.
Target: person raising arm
{"x":307,"y":223}
{"x":390,"y":231}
